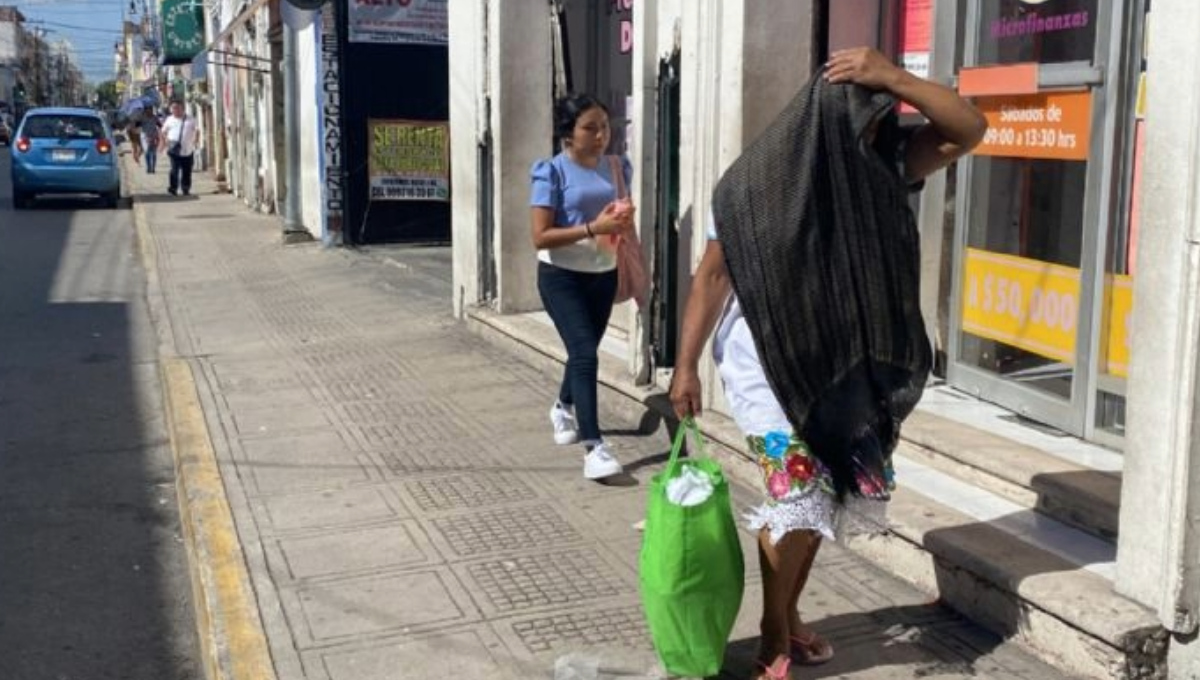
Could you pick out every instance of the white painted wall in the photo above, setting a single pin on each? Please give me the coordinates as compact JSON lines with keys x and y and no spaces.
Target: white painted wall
{"x":10,"y":49}
{"x":311,"y":175}
{"x":468,"y":53}
{"x":521,"y":123}
{"x":742,"y":61}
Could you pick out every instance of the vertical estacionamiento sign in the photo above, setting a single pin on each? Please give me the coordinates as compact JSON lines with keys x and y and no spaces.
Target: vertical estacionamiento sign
{"x":182,"y":30}
{"x":399,"y":22}
{"x":334,"y":195}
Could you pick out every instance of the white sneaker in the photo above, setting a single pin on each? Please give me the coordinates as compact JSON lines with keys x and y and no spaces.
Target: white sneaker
{"x":600,"y":463}
{"x":564,"y":425}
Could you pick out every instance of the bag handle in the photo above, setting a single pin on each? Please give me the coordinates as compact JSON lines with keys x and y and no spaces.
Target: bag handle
{"x":687,"y":425}
{"x":618,"y":174}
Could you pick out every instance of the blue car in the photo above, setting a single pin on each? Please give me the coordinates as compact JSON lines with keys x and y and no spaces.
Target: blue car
{"x":64,"y":151}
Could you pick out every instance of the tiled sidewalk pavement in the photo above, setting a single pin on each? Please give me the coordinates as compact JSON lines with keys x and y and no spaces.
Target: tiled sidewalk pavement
{"x":403,"y":510}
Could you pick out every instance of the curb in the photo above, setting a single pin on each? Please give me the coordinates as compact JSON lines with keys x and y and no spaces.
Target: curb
{"x":233,"y":643}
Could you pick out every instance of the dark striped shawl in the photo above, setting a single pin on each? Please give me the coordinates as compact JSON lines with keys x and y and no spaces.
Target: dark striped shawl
{"x":823,"y":253}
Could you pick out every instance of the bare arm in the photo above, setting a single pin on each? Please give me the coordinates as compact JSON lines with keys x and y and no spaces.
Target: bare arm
{"x":546,"y":235}
{"x":954,"y":128}
{"x":710,"y":289}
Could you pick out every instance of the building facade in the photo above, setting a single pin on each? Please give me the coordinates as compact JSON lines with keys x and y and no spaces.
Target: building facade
{"x":12,"y":38}
{"x":1060,"y":266}
{"x":242,"y":104}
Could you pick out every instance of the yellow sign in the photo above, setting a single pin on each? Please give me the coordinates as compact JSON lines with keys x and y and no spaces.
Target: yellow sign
{"x":409,"y":160}
{"x":1118,"y":305}
{"x":1021,"y":302}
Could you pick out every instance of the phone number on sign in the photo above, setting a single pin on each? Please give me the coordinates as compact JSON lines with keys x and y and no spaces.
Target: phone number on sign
{"x":1048,"y":138}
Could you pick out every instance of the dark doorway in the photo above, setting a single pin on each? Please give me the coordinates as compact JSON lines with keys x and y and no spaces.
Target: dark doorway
{"x":665,"y":300}
{"x":390,"y":82}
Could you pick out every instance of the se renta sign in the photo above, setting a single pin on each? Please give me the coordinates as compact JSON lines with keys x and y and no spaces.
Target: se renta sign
{"x":399,"y":22}
{"x":409,"y":160}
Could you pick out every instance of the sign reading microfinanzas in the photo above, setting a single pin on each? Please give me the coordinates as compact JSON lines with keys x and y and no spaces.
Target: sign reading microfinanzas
{"x":399,"y":22}
{"x":1039,"y":17}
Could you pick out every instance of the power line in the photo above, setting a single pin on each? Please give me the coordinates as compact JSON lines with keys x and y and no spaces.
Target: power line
{"x":56,"y":24}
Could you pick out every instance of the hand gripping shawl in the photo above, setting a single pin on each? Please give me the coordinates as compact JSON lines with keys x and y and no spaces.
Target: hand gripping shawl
{"x":823,"y":252}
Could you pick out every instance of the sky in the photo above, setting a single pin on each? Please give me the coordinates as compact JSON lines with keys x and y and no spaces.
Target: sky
{"x":93,"y":27}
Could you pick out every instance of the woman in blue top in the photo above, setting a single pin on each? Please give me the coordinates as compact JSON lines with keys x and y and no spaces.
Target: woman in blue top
{"x":574,"y":204}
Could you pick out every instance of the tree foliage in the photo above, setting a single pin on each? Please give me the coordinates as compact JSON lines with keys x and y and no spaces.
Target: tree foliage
{"x":106,"y":95}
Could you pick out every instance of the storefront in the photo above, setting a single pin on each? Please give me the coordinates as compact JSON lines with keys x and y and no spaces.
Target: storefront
{"x":1041,"y":276}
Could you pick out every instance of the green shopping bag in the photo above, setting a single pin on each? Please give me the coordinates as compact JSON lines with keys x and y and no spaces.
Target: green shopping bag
{"x":691,"y":568}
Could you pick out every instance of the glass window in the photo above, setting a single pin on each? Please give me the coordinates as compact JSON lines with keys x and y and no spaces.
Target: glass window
{"x":63,"y":127}
{"x":1021,"y":280}
{"x":1044,"y":31}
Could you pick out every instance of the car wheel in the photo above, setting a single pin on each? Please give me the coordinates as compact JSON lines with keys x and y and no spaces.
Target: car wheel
{"x":111,"y":199}
{"x":20,"y":199}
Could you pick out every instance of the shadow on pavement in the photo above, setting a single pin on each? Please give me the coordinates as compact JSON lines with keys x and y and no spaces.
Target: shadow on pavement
{"x":164,"y":197}
{"x":922,"y":639}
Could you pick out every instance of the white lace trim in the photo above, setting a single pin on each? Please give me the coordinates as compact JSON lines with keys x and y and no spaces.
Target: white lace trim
{"x":812,"y":509}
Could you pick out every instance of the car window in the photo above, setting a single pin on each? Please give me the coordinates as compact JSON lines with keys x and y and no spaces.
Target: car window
{"x":65,"y":126}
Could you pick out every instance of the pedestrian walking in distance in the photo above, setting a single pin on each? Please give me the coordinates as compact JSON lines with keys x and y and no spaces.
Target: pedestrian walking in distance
{"x":574,"y":199}
{"x":180,"y":136}
{"x":150,"y":139}
{"x":810,"y":279}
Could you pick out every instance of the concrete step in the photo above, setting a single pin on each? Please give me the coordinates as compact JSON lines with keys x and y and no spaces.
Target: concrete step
{"x":965,"y":530}
{"x":1080,"y":496}
{"x":1018,"y":573}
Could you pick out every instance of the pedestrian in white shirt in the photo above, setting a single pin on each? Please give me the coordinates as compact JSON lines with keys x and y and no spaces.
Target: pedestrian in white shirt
{"x":180,"y":137}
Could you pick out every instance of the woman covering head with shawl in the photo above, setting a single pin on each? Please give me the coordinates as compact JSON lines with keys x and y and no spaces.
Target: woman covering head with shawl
{"x":812,"y":270}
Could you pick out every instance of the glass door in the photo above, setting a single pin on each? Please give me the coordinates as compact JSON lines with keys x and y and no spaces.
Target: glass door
{"x":1032,"y":215}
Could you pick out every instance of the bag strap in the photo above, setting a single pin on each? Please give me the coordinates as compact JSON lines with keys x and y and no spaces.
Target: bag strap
{"x":618,"y":174}
{"x":686,"y":426}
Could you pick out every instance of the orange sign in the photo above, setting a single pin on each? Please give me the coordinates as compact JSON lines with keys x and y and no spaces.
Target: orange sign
{"x":989,"y":81}
{"x":1055,"y":125}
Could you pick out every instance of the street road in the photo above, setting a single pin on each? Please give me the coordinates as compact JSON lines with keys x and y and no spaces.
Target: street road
{"x":93,"y":574}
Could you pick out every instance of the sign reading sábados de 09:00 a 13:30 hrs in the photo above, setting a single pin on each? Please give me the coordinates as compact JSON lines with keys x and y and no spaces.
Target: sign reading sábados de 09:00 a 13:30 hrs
{"x":1053,"y":125}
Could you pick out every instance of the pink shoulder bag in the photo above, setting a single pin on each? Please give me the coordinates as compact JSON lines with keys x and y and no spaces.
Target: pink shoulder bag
{"x":633,"y":281}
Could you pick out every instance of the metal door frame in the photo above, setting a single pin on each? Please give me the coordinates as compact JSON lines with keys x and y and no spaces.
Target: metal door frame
{"x":1075,"y":415}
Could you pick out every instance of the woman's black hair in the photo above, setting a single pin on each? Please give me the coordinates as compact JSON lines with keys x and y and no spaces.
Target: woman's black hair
{"x":567,"y":111}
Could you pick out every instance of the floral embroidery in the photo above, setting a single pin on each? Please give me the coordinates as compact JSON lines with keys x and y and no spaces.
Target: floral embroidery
{"x":779,"y":484}
{"x":801,"y":468}
{"x":776,"y":444}
{"x":788,"y":467}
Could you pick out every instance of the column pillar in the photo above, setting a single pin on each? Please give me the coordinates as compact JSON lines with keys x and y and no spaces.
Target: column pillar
{"x":519,"y":80}
{"x":1158,"y":553}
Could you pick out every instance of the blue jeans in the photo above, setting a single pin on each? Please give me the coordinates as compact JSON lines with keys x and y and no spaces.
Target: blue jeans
{"x":580,"y":304}
{"x":151,"y":158}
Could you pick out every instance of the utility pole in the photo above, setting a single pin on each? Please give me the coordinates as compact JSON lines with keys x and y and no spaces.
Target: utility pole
{"x":293,"y":225}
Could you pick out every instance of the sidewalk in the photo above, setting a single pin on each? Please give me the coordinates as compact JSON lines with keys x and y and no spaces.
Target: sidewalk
{"x":401,"y":510}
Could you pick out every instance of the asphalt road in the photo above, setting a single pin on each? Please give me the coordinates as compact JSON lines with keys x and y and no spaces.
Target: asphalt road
{"x":93,"y":574}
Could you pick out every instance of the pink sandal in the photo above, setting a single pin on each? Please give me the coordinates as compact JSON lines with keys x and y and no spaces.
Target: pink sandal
{"x":810,"y":649}
{"x":776,"y":671}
